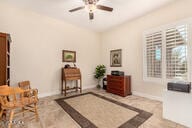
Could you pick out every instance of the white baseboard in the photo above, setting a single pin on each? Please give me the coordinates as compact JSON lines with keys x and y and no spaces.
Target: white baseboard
{"x":89,"y":87}
{"x":147,"y":96}
{"x":41,"y":95}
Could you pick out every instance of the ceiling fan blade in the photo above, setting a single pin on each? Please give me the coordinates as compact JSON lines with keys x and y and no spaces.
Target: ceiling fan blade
{"x":76,"y":9}
{"x":91,"y":16}
{"x":105,"y":8}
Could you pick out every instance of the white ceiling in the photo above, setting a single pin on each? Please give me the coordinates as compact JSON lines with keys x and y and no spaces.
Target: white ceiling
{"x":124,"y":10}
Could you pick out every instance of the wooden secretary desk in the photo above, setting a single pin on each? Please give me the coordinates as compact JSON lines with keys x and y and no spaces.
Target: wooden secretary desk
{"x":71,"y":74}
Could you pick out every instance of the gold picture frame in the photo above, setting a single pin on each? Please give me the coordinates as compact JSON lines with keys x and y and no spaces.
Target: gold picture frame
{"x":69,"y":56}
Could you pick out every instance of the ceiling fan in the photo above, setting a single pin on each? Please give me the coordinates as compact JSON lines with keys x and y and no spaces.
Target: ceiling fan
{"x":91,"y":6}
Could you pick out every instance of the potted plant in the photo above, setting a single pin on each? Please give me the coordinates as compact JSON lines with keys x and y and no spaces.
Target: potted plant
{"x":100,"y":73}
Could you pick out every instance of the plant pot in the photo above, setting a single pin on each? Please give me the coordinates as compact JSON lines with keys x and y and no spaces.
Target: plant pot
{"x":98,"y":86}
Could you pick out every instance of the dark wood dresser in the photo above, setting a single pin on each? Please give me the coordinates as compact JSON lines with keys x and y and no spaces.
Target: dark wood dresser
{"x":120,"y":85}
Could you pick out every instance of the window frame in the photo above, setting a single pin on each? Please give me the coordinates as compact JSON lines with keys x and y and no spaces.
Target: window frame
{"x":163,"y":29}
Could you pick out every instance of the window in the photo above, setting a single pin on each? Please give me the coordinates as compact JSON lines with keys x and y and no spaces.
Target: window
{"x":176,"y":52}
{"x":153,"y":48}
{"x":166,"y":53}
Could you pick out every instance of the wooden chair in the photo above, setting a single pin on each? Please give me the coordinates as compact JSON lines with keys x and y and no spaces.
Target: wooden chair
{"x":25,"y":85}
{"x":1,"y":111}
{"x":12,"y":98}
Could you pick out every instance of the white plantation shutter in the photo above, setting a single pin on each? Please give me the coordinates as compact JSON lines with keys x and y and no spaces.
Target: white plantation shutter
{"x":153,"y":54}
{"x":167,"y":54}
{"x":176,"y":52}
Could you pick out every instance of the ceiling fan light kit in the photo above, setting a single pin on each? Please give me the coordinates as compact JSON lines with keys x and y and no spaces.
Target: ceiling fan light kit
{"x":91,"y":6}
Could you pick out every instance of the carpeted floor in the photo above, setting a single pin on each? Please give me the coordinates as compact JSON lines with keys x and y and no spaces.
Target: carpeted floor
{"x":52,"y":115}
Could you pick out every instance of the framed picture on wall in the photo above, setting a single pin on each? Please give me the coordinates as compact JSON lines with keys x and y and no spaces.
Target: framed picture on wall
{"x":116,"y":58}
{"x":69,"y":56}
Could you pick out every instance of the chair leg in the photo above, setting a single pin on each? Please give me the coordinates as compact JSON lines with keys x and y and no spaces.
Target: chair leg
{"x":11,"y":118}
{"x":36,"y":112}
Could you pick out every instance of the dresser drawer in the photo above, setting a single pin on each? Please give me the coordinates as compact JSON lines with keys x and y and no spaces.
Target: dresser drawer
{"x":114,"y":91}
{"x":118,"y":78}
{"x":116,"y":85}
{"x":115,"y":81}
{"x":115,"y":88}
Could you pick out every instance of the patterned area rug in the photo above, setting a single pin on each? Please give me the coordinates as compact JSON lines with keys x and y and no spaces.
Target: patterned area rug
{"x":91,"y":110}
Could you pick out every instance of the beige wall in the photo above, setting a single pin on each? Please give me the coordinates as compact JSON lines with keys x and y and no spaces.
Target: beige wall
{"x":36,"y":51}
{"x":128,"y":37}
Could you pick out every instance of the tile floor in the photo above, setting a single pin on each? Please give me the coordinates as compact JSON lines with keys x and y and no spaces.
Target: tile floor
{"x":51,"y":115}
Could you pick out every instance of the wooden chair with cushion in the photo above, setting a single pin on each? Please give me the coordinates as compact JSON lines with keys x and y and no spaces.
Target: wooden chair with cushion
{"x":12,"y":98}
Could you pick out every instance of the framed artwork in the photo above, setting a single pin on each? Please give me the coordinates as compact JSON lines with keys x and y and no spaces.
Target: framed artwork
{"x":116,"y":58}
{"x":69,"y":56}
